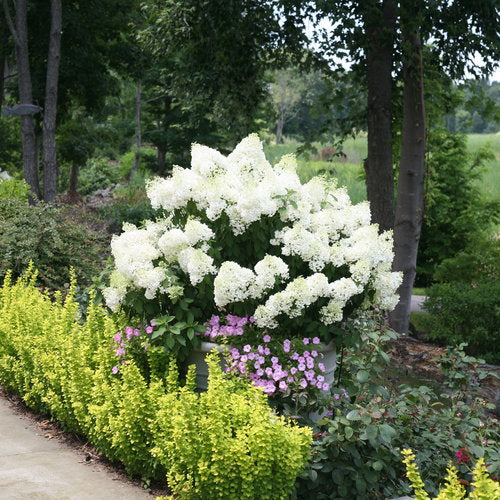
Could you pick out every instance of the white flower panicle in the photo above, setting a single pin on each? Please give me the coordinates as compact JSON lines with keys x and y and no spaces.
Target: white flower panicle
{"x":196,"y":263}
{"x":232,"y":283}
{"x":315,"y":222}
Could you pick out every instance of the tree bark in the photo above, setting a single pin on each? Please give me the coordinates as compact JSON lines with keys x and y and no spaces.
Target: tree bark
{"x":138,"y":139}
{"x":410,"y":202}
{"x":160,"y":159}
{"x":73,"y":180}
{"x":50,"y":113}
{"x":20,"y":35}
{"x":380,"y":32}
{"x":4,"y":39}
{"x":279,"y":126}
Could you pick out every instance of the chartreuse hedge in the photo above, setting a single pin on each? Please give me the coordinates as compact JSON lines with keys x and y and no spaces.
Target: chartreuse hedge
{"x":225,"y":443}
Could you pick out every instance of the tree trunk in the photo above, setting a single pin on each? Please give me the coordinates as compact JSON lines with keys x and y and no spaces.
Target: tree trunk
{"x":279,"y":126}
{"x":20,"y":35}
{"x":137,"y":155}
{"x":50,"y":113}
{"x":410,"y":203}
{"x":73,"y":180}
{"x":160,"y":159}
{"x":380,"y":31}
{"x":4,"y":40}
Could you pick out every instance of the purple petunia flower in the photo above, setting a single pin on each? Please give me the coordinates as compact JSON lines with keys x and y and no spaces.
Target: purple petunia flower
{"x":115,"y":370}
{"x":303,"y":382}
{"x":266,"y":338}
{"x":286,"y":345}
{"x":305,"y":341}
{"x":149,"y":329}
{"x":247,"y":348}
{"x":283,"y":385}
{"x":118,"y":337}
{"x":316,"y":340}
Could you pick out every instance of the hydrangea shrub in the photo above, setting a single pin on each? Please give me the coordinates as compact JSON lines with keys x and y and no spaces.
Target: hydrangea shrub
{"x":240,"y":235}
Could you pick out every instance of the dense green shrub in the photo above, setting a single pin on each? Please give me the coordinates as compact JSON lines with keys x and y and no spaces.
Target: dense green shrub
{"x":356,"y":452}
{"x":464,"y":312}
{"x":479,"y":261}
{"x":41,"y":234}
{"x":14,"y":189}
{"x":130,"y":204}
{"x":464,"y":305}
{"x":225,"y":443}
{"x":454,"y":209}
{"x":147,"y":161}
{"x":98,"y":173}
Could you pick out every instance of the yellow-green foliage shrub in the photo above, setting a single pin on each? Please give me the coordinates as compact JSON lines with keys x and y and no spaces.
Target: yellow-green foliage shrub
{"x":225,"y":443}
{"x":483,"y":488}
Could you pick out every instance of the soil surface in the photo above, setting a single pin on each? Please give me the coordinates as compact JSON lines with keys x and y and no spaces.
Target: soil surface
{"x":416,"y":358}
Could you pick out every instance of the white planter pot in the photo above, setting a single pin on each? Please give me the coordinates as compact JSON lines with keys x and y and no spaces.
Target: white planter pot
{"x":329,"y":360}
{"x":197,"y":357}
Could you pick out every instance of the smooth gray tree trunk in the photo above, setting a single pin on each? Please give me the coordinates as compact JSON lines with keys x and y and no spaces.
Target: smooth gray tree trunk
{"x":50,"y":112}
{"x":19,"y":31}
{"x":380,"y":31}
{"x":410,"y":201}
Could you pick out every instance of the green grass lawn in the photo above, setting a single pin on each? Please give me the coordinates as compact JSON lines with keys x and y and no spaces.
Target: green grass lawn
{"x":490,"y":180}
{"x":349,"y":171}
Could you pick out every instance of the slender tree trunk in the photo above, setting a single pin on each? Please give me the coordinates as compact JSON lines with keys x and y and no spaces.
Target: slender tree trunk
{"x":279,"y":126}
{"x":380,"y":31}
{"x":4,"y":40}
{"x":20,"y":35}
{"x":73,"y":181}
{"x":137,"y":155}
{"x":160,"y":159}
{"x":50,"y":113}
{"x":410,"y":203}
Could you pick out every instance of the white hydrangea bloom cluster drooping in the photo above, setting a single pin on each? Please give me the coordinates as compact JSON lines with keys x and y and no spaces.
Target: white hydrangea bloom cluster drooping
{"x":317,"y":224}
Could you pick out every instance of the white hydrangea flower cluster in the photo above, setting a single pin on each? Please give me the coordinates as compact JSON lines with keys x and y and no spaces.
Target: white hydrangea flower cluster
{"x":318,"y":224}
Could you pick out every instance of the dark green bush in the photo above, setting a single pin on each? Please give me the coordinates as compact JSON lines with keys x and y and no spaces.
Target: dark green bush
{"x":130,"y":203}
{"x":454,"y":210}
{"x":465,"y":305}
{"x":464,"y":312}
{"x":357,"y":451}
{"x":98,"y":173}
{"x":43,"y":235}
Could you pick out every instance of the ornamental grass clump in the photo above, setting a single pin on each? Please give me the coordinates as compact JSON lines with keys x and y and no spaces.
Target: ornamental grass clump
{"x":240,"y":235}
